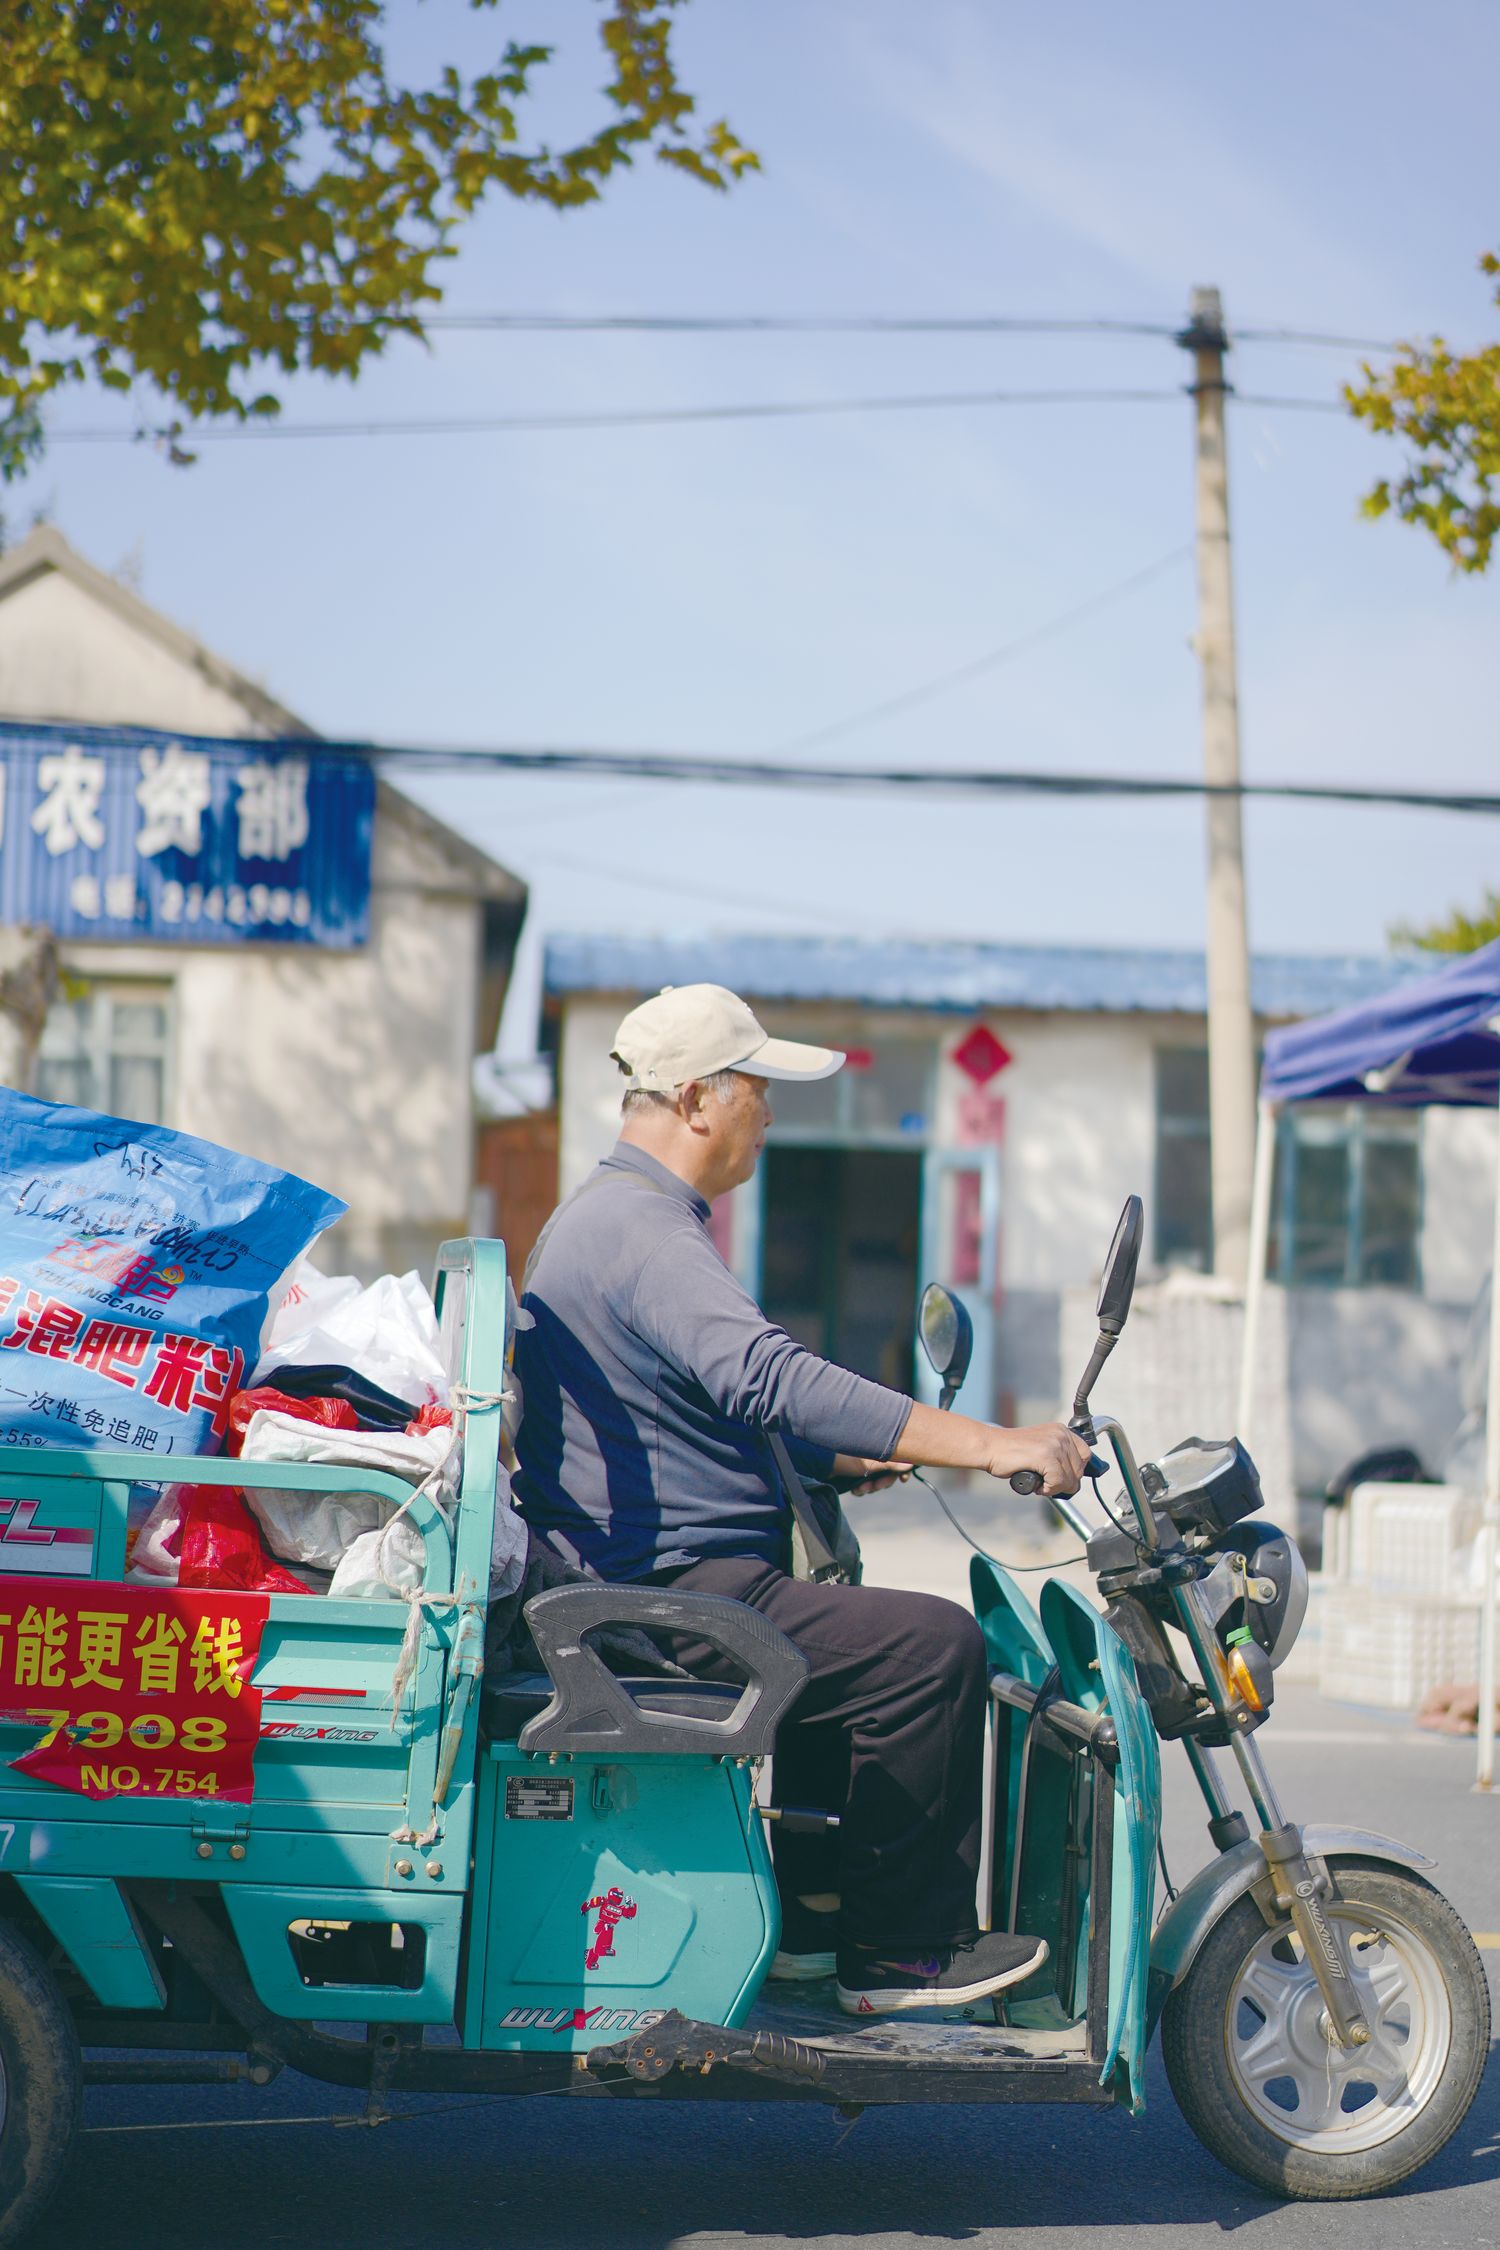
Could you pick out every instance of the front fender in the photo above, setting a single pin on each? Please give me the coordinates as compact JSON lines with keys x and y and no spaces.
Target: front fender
{"x":1196,"y":1908}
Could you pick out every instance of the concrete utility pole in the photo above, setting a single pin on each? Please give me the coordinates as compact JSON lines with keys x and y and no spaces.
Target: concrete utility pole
{"x":1231,"y":1036}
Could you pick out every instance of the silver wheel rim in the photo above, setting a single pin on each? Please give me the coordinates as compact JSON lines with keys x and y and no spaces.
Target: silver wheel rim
{"x":1306,"y":2089}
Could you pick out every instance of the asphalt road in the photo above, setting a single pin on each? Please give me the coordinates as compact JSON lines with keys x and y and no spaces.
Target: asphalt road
{"x":200,"y":2167}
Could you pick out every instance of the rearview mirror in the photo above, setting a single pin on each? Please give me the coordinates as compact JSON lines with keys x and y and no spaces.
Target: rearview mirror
{"x":1115,"y":1292}
{"x":1118,"y":1284}
{"x":947,"y":1338}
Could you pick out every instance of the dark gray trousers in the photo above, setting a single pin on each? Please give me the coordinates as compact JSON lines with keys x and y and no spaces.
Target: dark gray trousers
{"x":888,"y":1733}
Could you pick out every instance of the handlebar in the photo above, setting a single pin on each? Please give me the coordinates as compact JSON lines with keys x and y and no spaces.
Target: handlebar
{"x":1031,"y":1480}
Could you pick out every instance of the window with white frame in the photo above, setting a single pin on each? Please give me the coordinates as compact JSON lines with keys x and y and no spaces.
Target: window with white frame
{"x":1346,"y":1201}
{"x":106,"y":1046}
{"x":1346,"y":1204}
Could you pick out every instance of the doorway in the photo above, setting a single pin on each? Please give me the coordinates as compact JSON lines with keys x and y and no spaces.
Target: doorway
{"x":841,"y":1235}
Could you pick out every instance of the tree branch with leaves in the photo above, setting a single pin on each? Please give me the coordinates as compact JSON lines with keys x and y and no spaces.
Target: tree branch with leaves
{"x":196,"y":194}
{"x":1460,"y":933}
{"x":1444,"y":407}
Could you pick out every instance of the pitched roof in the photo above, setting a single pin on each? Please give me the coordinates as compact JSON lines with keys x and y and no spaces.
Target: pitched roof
{"x":953,"y":975}
{"x":44,"y":548}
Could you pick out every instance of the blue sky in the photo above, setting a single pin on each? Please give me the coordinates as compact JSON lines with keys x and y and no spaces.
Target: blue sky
{"x":737,"y":586}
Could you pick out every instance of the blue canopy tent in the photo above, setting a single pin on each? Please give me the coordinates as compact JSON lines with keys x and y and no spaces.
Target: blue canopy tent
{"x":1433,"y":1039}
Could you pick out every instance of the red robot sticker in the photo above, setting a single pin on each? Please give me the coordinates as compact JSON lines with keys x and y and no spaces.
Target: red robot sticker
{"x":612,"y":1907}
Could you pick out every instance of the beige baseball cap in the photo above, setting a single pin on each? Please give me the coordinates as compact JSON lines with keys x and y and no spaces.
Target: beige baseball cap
{"x":692,"y":1030}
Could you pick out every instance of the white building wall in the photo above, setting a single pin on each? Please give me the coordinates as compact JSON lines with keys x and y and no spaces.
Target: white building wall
{"x":1079,"y":1135}
{"x":1367,"y":1368}
{"x":591,"y":1087}
{"x":1458,"y":1190}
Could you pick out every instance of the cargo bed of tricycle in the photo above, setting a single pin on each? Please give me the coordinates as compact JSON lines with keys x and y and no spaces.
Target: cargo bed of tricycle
{"x":342,"y":1781}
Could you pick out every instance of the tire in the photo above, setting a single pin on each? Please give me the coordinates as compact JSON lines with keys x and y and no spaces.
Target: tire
{"x":41,"y":2086}
{"x":1294,"y":2113}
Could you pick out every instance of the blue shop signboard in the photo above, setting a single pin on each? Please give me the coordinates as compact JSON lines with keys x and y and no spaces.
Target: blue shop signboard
{"x":125,"y":833}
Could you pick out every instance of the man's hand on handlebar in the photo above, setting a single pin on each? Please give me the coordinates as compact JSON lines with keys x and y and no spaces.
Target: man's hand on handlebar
{"x":1051,"y":1453}
{"x":857,"y":1476}
{"x":1047,"y":1452}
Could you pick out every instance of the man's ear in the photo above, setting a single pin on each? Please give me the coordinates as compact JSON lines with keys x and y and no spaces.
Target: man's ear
{"x":691,"y":1103}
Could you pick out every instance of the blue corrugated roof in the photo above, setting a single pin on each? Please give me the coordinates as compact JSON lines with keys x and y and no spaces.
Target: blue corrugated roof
{"x":899,"y":973}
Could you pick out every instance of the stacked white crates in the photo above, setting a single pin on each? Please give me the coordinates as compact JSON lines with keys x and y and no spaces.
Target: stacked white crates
{"x":1400,"y":1614}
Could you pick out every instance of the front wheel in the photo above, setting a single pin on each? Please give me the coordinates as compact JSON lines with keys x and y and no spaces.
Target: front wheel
{"x":40,"y":2085}
{"x":1272,"y":2094}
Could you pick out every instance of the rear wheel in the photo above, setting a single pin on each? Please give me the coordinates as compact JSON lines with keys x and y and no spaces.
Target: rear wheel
{"x":1270,"y":2093}
{"x":40,"y":2086}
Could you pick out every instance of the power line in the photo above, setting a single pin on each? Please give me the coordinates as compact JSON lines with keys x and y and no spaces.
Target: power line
{"x":808,"y":324}
{"x":631,"y":417}
{"x":942,"y":681}
{"x":1288,"y":405}
{"x":648,"y":765}
{"x":656,"y":765}
{"x":1238,"y":335}
{"x":867,"y":324}
{"x":263,"y":433}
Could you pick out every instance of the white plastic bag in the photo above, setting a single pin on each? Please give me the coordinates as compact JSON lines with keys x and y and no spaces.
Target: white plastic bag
{"x":508,"y":1543}
{"x":368,"y":1570}
{"x":367,"y":1573}
{"x":154,"y":1557}
{"x":320,"y":1527}
{"x":388,"y":1332}
{"x":306,"y":1294}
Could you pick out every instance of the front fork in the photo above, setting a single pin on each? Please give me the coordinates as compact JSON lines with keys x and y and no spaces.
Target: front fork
{"x":1293,"y":1885}
{"x":1296,"y":1886}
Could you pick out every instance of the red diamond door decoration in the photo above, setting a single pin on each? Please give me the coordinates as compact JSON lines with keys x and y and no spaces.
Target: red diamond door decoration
{"x":981,"y":1054}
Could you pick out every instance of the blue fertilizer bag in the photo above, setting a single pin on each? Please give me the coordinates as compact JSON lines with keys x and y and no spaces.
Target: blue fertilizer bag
{"x":136,"y":1265}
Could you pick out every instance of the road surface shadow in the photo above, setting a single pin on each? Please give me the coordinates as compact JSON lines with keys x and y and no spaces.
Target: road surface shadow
{"x":646,"y":2175}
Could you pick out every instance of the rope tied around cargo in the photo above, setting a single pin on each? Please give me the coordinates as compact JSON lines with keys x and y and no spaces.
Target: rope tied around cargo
{"x":417,"y":1598}
{"x":465,"y":1402}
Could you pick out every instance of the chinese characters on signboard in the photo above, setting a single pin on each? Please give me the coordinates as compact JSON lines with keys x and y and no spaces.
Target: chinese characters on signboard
{"x":181,"y":1375}
{"x":135,"y":1691}
{"x":130,"y":834}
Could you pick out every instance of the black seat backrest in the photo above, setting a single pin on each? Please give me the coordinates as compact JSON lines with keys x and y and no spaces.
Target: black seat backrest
{"x":592,"y":1711}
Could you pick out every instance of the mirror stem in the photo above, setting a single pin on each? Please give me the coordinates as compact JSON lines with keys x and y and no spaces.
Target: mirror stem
{"x":1097,"y":1357}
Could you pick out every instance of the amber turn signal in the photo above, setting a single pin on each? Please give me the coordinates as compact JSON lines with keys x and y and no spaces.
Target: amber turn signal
{"x":1250,"y":1670}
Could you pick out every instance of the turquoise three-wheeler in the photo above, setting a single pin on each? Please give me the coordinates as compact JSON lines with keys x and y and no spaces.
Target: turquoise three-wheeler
{"x":559,"y":1881}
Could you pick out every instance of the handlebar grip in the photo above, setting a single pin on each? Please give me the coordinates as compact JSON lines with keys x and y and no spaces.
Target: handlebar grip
{"x":1030,"y":1480}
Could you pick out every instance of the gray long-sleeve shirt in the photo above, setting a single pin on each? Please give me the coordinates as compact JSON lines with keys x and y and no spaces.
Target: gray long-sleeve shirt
{"x":652,"y":1382}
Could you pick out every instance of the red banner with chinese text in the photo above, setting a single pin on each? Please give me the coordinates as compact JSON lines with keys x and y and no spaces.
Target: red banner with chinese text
{"x":137,"y":1691}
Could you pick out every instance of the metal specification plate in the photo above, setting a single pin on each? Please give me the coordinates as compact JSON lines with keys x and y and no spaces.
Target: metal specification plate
{"x":526,"y":1799}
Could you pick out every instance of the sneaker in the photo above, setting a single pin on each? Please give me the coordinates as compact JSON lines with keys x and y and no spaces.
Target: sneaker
{"x":872,"y":1986}
{"x":807,"y":1945}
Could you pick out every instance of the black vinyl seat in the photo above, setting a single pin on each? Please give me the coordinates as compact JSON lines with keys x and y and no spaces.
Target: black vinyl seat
{"x":509,"y":1699}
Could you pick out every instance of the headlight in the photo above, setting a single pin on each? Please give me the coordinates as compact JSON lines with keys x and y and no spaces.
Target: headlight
{"x":1276,"y":1577}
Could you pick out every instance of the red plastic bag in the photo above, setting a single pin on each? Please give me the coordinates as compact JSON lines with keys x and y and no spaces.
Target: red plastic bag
{"x":332,"y":1413}
{"x":222,"y":1546}
{"x":430,"y":1418}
